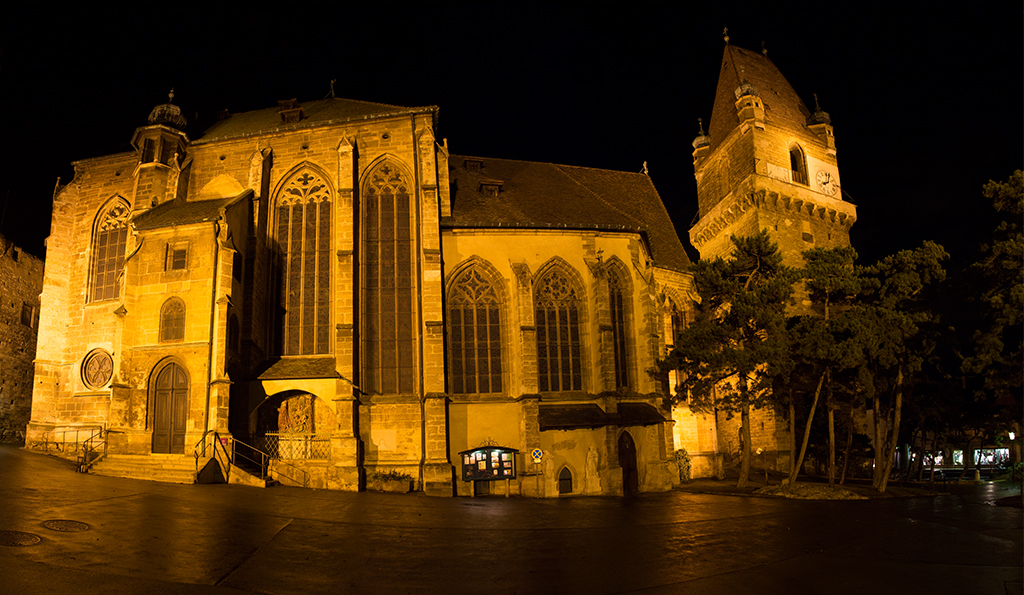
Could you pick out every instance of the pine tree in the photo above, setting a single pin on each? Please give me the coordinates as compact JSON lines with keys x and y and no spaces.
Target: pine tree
{"x":737,"y":344}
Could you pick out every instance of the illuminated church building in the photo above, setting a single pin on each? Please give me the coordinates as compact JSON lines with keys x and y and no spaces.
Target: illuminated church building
{"x":324,"y":281}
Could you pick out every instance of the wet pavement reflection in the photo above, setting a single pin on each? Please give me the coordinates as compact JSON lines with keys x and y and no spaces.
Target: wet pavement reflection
{"x":163,"y":538}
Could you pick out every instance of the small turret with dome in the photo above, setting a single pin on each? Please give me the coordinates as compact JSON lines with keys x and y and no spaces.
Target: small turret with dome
{"x":161,"y":147}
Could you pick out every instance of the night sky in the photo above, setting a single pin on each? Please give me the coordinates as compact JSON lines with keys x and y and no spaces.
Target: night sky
{"x":926,"y":106}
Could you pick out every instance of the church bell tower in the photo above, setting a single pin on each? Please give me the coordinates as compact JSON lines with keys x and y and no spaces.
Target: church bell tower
{"x":766,"y":162}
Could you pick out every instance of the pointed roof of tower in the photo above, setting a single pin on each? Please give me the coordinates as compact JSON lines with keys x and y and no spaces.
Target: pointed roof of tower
{"x":781,"y":103}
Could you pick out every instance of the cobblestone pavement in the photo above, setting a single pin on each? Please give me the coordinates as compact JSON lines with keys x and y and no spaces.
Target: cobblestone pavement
{"x":146,"y":537}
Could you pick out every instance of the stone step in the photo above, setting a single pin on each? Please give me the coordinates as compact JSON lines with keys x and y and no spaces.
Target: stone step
{"x":165,"y":468}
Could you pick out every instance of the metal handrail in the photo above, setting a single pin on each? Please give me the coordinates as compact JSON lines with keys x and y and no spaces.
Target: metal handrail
{"x":89,"y":447}
{"x":264,"y":463}
{"x":195,"y":449}
{"x":62,"y":446}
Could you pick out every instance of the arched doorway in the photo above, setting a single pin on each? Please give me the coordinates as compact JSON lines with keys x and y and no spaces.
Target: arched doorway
{"x":627,"y":460}
{"x":294,"y":425}
{"x":170,"y":410}
{"x":565,"y":481}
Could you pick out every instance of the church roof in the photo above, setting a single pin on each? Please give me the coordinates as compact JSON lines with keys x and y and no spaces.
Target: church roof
{"x":314,"y":113}
{"x":545,"y":195}
{"x":174,"y":213}
{"x":781,"y":103}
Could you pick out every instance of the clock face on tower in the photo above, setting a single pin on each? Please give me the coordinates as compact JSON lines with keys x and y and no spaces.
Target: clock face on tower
{"x":827,"y":183}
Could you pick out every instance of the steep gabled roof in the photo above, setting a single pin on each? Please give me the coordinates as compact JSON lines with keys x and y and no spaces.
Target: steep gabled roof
{"x":545,"y":195}
{"x":314,"y":113}
{"x":781,"y":103}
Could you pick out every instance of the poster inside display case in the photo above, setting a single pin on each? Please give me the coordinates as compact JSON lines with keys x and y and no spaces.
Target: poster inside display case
{"x":488,"y":463}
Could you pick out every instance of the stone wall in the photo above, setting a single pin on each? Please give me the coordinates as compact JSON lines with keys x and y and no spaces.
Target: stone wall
{"x":21,"y":281}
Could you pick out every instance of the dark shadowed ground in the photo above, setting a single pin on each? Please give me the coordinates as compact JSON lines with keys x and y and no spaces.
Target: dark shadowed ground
{"x":147,"y":537}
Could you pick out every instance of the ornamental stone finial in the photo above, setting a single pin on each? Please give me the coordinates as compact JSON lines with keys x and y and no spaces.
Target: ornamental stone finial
{"x":725,"y":33}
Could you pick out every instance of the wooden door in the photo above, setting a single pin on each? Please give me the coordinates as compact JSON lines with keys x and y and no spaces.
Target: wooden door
{"x":627,"y":460}
{"x":170,"y":410}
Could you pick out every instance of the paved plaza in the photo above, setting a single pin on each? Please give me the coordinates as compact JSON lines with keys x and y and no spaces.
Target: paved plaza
{"x":145,"y":537}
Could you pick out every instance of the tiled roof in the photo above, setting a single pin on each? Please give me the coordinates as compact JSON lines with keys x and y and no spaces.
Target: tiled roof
{"x":545,"y":195}
{"x":173,"y":213}
{"x":782,"y":104}
{"x":568,"y":417}
{"x":313,"y":113}
{"x":301,"y":367}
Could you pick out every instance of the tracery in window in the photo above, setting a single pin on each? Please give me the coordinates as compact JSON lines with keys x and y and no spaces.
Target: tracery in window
{"x":474,"y":335}
{"x":620,"y":334}
{"x":97,"y":368}
{"x":557,"y":309}
{"x":387,"y":330}
{"x":303,"y":237}
{"x":172,"y":320}
{"x":109,"y":242}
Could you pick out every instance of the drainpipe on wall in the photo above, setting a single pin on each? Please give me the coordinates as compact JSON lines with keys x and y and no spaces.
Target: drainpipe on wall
{"x":213,"y":320}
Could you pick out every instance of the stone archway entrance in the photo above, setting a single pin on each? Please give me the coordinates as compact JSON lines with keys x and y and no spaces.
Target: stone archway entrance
{"x":294,"y":425}
{"x":627,"y":460}
{"x":170,"y":410}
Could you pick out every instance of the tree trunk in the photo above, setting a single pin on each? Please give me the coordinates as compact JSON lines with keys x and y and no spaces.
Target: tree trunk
{"x":831,"y":433}
{"x":792,"y":433}
{"x":807,"y":431}
{"x":849,"y":448}
{"x":894,"y":431}
{"x":745,"y":454}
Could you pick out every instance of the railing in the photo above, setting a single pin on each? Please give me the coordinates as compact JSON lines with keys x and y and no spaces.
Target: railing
{"x":89,"y":454}
{"x":262,"y":460}
{"x":309,"y":447}
{"x":240,"y":451}
{"x":57,"y":442}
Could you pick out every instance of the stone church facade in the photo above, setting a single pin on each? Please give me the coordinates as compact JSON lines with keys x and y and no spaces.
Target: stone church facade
{"x":324,"y":282}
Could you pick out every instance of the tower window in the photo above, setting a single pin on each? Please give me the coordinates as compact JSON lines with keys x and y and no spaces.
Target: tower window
{"x":798,"y":164}
{"x":28,"y":315}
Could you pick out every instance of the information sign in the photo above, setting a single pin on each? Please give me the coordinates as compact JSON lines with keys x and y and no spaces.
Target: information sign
{"x":488,"y":463}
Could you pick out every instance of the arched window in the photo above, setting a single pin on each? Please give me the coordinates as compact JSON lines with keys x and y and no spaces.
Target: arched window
{"x":620,"y":332}
{"x":559,"y":359}
{"x":798,"y":164}
{"x":565,"y":481}
{"x":387,"y":329}
{"x":303,"y":237}
{"x":109,"y":242}
{"x":474,"y":335}
{"x":172,"y":320}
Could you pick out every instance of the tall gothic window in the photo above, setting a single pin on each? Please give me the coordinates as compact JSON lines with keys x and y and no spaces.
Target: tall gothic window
{"x":387,"y":328}
{"x":108,"y":251}
{"x":172,"y":320}
{"x":474,"y":335}
{"x":620,"y":335}
{"x":559,"y":359}
{"x":304,"y":243}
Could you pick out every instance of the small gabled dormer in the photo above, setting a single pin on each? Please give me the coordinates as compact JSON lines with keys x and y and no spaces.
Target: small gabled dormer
{"x":490,"y":187}
{"x":290,"y":111}
{"x":472,"y":164}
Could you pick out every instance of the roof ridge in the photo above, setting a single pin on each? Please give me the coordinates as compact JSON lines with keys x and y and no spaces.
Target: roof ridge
{"x":618,"y":171}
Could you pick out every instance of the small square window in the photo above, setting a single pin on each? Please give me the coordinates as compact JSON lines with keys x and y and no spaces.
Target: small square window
{"x":177,"y":258}
{"x":28,"y":315}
